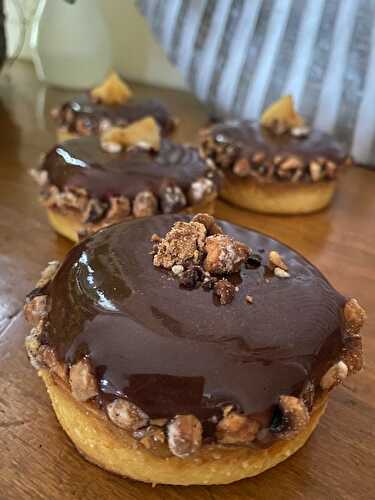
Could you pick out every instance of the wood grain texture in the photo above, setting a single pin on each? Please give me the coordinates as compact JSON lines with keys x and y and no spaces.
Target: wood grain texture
{"x":37,"y":461}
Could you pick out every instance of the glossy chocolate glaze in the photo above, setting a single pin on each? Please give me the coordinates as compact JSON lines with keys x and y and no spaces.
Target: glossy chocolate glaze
{"x":83,"y":163}
{"x":250,"y":137}
{"x":85,"y":108}
{"x":174,"y":351}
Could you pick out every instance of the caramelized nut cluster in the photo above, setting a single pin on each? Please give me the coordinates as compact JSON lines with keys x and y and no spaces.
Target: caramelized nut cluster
{"x":199,"y":254}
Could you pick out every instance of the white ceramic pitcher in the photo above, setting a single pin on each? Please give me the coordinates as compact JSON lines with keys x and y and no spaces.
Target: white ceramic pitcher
{"x":71,"y":44}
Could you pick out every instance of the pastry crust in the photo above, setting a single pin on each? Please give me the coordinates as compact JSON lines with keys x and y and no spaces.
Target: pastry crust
{"x":69,"y":224}
{"x":115,"y":450}
{"x":276,"y":197}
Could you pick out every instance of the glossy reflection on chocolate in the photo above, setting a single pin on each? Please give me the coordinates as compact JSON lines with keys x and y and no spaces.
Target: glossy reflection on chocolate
{"x":174,"y":351}
{"x":83,"y":107}
{"x":83,"y":163}
{"x":250,"y":137}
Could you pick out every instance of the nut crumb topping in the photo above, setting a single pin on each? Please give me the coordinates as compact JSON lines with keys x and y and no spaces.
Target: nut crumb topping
{"x":224,"y":254}
{"x":209,"y":223}
{"x":275,"y":260}
{"x":280,"y":273}
{"x":249,"y":299}
{"x":336,"y":374}
{"x":295,"y":417}
{"x":184,"y":435}
{"x":126,"y":415}
{"x":112,"y":91}
{"x":83,"y":382}
{"x":145,"y":204}
{"x":182,"y":244}
{"x":144,"y":133}
{"x":236,"y":429}
{"x":224,"y":291}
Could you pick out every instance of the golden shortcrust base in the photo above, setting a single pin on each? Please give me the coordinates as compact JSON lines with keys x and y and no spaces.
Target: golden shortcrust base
{"x":69,"y":224}
{"x":278,"y":198}
{"x":113,"y":449}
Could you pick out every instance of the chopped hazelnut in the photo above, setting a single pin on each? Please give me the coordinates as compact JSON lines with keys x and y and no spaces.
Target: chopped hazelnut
{"x":126,"y":415}
{"x":275,"y":260}
{"x":224,"y":291}
{"x":236,"y":429}
{"x":184,"y":435}
{"x":224,"y":254}
{"x":172,"y":199}
{"x":242,"y":167}
{"x":315,"y":171}
{"x":152,"y":437}
{"x":48,"y":273}
{"x":280,"y":273}
{"x":200,"y":189}
{"x":336,"y":374}
{"x":49,"y":358}
{"x":145,"y":204}
{"x":300,"y":132}
{"x":112,"y":91}
{"x":119,"y":208}
{"x":35,"y":309}
{"x":209,"y":222}
{"x":183,"y":243}
{"x":354,"y":315}
{"x":83,"y":382}
{"x":249,"y":299}
{"x":177,"y":269}
{"x":294,"y":417}
{"x":291,"y":162}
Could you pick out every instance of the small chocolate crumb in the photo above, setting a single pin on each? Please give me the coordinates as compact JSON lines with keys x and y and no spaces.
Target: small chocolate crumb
{"x":249,"y":299}
{"x":253,"y":261}
{"x":225,"y":291}
{"x":209,"y":282}
{"x":191,"y":278}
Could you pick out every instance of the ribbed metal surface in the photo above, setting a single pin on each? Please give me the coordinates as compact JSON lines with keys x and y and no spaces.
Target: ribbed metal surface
{"x":241,"y":55}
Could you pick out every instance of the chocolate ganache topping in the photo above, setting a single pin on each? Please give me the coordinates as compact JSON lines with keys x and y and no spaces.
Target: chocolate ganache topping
{"x":83,"y":163}
{"x":246,"y":148}
{"x":174,"y":351}
{"x":92,"y":114}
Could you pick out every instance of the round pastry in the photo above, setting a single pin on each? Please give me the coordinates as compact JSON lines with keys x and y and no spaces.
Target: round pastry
{"x":186,"y":351}
{"x":86,"y":187}
{"x":110,"y":104}
{"x":275,"y":165}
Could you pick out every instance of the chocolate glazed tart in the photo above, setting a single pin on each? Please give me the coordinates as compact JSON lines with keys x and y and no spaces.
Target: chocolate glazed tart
{"x":291,"y":173}
{"x":164,"y":384}
{"x":83,"y":117}
{"x":85,"y":188}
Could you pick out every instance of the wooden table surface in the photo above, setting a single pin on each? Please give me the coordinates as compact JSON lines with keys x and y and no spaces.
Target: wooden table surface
{"x":37,"y":460}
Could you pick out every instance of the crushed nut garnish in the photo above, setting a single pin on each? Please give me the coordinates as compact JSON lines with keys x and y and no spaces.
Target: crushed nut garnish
{"x":224,"y":291}
{"x":184,"y":435}
{"x":249,"y":299}
{"x":126,"y":415}
{"x":83,"y":382}
{"x":280,"y":273}
{"x":336,"y":374}
{"x":198,"y":253}
{"x":281,"y":116}
{"x":143,"y":133}
{"x":275,"y":260}
{"x":112,"y":91}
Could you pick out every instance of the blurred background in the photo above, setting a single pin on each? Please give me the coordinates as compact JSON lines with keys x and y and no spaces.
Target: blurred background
{"x":126,"y":28}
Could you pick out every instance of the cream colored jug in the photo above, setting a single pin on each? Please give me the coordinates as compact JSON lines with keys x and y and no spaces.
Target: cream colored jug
{"x":71,"y":43}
